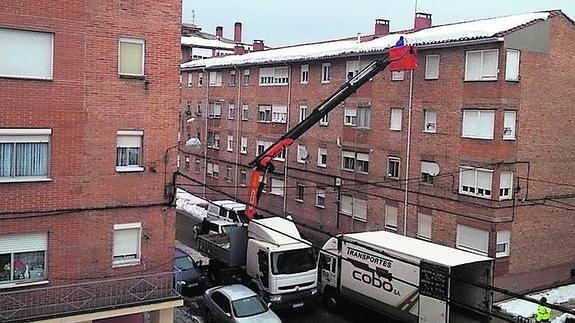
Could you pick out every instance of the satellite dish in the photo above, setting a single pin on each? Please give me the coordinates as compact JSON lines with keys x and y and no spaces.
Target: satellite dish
{"x":193,"y":143}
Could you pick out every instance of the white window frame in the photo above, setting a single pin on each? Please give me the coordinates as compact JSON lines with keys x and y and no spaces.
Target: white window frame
{"x":279,"y":113}
{"x":304,"y":74}
{"x":321,"y":152}
{"x":302,"y":154}
{"x":15,"y":136}
{"x":213,"y":140}
{"x":503,"y":239}
{"x":350,"y":117}
{"x":505,"y":185}
{"x":132,"y":41}
{"x":473,"y":188}
{"x":16,"y":244}
{"x":397,"y":160}
{"x":244,"y":145}
{"x":10,"y":56}
{"x":214,"y":110}
{"x":320,"y":193}
{"x":429,"y":121}
{"x":228,"y":176}
{"x":482,"y":130}
{"x":213,"y":170}
{"x":200,"y":79}
{"x":465,"y":232}
{"x":351,"y":69}
{"x":232,"y":80}
{"x":245,"y":112}
{"x":127,"y":261}
{"x":278,"y":187}
{"x":230,"y":145}
{"x":231,"y":111}
{"x":324,"y":122}
{"x":300,"y":187}
{"x":190,"y":79}
{"x":363,"y":117}
{"x":512,"y":65}
{"x":432,"y":67}
{"x":424,"y":226}
{"x":509,"y":124}
{"x":302,"y":112}
{"x":246,"y":77}
{"x":350,"y":155}
{"x":272,"y":76}
{"x":215,"y":78}
{"x":397,"y":75}
{"x":265,"y":111}
{"x":131,"y":136}
{"x":325,"y":73}
{"x":396,"y":119}
{"x":262,"y":143}
{"x":358,"y":207}
{"x":483,"y":74}
{"x":390,"y":221}
{"x":243,"y":177}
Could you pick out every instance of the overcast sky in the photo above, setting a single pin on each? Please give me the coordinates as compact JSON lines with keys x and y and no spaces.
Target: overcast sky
{"x":284,"y":22}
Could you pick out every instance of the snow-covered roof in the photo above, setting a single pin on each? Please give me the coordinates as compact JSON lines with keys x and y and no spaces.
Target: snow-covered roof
{"x":464,"y":31}
{"x":206,"y":43}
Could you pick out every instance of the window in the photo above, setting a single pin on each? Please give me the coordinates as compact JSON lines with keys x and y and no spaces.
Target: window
{"x":231,"y":111}
{"x":277,"y":186}
{"x":26,"y":54}
{"x":391,"y":218}
{"x":23,"y":258}
{"x":213,"y":140}
{"x":24,"y":154}
{"x":481,"y":65}
{"x":199,"y":109}
{"x":300,"y":189}
{"x":353,"y":161}
{"x":351,"y":69}
{"x":502,"y":246}
{"x":325,"y":75}
{"x":246,"y":78}
{"x":197,"y":166}
{"x":302,"y":112}
{"x":357,"y":117}
{"x":322,"y":157}
{"x":350,"y":117}
{"x":324,"y":121}
{"x":281,"y":156}
{"x":228,"y":176}
{"x":190,"y":79}
{"x":475,"y":181}
{"x":214,"y":110}
{"x":301,"y":154}
{"x":512,"y":65}
{"x":245,"y":112}
{"x":362,"y":164}
{"x":320,"y":197}
{"x":472,"y":239}
{"x":355,"y":207}
{"x":393,"y":167}
{"x":478,"y":124}
{"x":505,"y":185}
{"x":213,"y":170}
{"x":395,"y":121}
{"x":509,"y":120}
{"x":232,"y":78}
{"x":262,"y":146}
{"x":348,"y":160}
{"x":429,"y":121}
{"x":279,"y":113}
{"x":424,"y":226}
{"x":397,"y":75}
{"x":243,"y":177}
{"x":200,"y":79}
{"x":304,"y":76}
{"x":187,"y":163}
{"x":428,"y":172}
{"x":215,"y":78}
{"x":129,"y":151}
{"x":431,"y":67}
{"x":131,"y":57}
{"x":265,"y":113}
{"x":274,"y":76}
{"x":230,"y":143}
{"x":244,"y":145}
{"x":126,"y":245}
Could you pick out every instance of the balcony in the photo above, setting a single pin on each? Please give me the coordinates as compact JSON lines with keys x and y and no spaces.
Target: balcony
{"x":102,"y":295}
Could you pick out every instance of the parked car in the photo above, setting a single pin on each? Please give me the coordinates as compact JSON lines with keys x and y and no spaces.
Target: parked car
{"x":189,"y":273}
{"x":227,"y":210}
{"x":213,"y":226}
{"x":237,"y":304}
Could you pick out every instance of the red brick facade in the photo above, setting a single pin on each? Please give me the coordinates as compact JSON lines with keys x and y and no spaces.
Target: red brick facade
{"x":540,"y":234}
{"x":85,"y":104}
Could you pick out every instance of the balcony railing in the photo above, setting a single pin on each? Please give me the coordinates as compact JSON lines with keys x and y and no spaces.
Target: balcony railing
{"x":59,"y":301}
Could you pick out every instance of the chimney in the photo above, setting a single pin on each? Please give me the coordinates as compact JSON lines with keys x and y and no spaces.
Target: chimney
{"x":258,"y":45}
{"x":381,"y":27}
{"x":422,"y":20}
{"x":219,"y":32}
{"x":238,"y":32}
{"x":239,"y":50}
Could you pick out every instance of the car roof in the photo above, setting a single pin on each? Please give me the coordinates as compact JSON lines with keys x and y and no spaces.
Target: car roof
{"x":223,"y":222}
{"x":236,"y":291}
{"x":229,"y":204}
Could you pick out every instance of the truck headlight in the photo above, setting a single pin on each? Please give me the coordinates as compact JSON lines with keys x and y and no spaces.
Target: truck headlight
{"x":275,"y":298}
{"x":182,"y":282}
{"x":314,"y":291}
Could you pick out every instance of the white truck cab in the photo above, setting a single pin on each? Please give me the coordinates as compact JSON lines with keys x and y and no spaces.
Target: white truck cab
{"x":227,"y":210}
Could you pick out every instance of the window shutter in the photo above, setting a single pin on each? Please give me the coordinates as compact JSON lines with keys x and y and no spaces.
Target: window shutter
{"x":360,"y":209}
{"x":395,"y":119}
{"x":431,"y":67}
{"x":26,"y":53}
{"x":346,"y":204}
{"x":391,"y":217}
{"x":470,"y":123}
{"x":473,"y":66}
{"x":129,"y":141}
{"x":430,"y":121}
{"x":486,"y":120}
{"x":509,"y":121}
{"x":14,"y":243}
{"x":512,"y":65}
{"x":484,"y":180}
{"x":126,"y":242}
{"x":467,"y":177}
{"x":503,"y":238}
{"x":351,"y":112}
{"x":490,"y":63}
{"x":363,"y":157}
{"x":424,"y":226}
{"x":131,"y":57}
{"x":472,"y":238}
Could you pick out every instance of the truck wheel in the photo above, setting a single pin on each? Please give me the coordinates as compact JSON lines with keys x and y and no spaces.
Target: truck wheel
{"x":331,"y":300}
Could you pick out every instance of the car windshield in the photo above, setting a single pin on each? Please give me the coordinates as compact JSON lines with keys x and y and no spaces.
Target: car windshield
{"x":242,"y":216}
{"x":184,"y":263}
{"x":249,"y":306}
{"x":227,"y":228}
{"x":293,"y":261}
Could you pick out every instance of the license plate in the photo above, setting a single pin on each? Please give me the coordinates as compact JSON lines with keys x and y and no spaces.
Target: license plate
{"x":297,"y":305}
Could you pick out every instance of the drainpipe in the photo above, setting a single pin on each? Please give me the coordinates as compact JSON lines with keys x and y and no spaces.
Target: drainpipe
{"x":207,"y":78}
{"x":408,"y":157}
{"x":238,"y":139}
{"x":287,"y":129}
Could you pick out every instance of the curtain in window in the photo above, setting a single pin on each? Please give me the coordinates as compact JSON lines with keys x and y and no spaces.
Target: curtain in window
{"x":23,"y":159}
{"x":6,"y":159}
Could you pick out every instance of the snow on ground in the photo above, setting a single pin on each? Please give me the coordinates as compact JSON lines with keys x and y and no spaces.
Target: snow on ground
{"x":190,"y":204}
{"x":523,"y":308}
{"x":562,"y":318}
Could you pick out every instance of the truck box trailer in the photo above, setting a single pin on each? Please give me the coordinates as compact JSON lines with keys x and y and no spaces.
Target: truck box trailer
{"x":406,"y":278}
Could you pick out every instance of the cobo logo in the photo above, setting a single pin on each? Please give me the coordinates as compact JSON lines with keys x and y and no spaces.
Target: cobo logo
{"x":372,"y":280}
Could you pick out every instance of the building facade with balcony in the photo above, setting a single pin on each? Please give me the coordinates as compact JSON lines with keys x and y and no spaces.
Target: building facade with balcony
{"x":473,"y":150}
{"x":89,"y":104}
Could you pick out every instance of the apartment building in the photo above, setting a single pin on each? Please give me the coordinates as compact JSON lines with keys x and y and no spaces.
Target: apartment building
{"x":88,"y":105}
{"x":473,"y":150}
